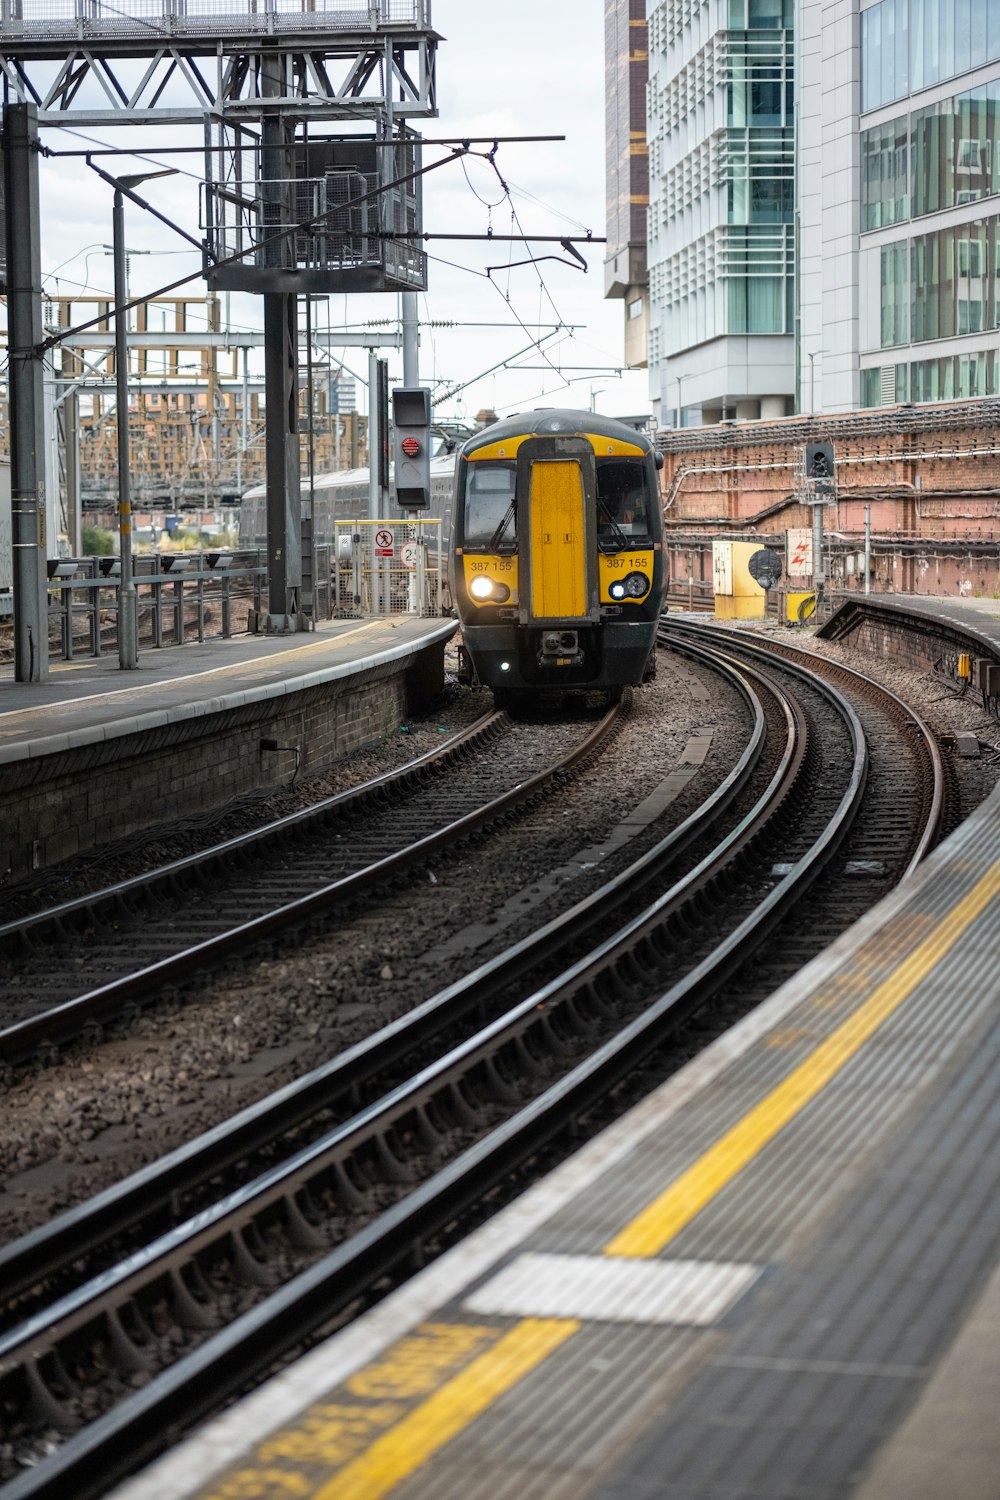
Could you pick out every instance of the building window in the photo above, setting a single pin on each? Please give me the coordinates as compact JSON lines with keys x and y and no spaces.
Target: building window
{"x":895,"y":322}
{"x":884,"y":53}
{"x":759,"y":166}
{"x":635,"y":309}
{"x":885,"y":192}
{"x":760,"y":89}
{"x":949,"y":154}
{"x":956,"y":150}
{"x":907,"y":45}
{"x":940,"y":285}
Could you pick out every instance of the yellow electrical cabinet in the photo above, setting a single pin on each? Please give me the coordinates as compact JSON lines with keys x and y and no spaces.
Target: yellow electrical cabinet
{"x":800,"y":607}
{"x":738,"y":595}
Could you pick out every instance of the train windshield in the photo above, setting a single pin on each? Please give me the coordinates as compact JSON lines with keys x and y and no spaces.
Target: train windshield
{"x":489,"y":505}
{"x":623,"y":514}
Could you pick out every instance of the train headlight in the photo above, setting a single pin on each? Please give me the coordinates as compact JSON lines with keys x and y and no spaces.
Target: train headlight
{"x":482,"y":588}
{"x":636,"y":584}
{"x":617,"y":590}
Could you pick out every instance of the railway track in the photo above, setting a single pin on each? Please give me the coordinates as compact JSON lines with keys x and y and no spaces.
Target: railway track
{"x":295,"y":1210}
{"x":158,"y":930}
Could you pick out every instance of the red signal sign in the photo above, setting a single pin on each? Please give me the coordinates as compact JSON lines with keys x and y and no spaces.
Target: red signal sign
{"x":410,"y":446}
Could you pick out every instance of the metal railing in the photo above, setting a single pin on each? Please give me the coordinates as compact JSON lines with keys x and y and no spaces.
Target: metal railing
{"x":181,"y":596}
{"x":40,"y":18}
{"x":372,"y":568}
{"x":347,"y":224}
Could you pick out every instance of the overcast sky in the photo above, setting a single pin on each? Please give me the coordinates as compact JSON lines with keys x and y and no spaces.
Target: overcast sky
{"x":526,"y":67}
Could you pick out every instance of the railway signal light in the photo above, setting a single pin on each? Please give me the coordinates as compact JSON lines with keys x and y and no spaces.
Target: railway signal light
{"x":411,"y":419}
{"x":819,"y":461}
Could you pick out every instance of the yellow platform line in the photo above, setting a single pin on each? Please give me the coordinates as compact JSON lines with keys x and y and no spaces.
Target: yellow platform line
{"x":677,"y":1205}
{"x":398,"y":1453}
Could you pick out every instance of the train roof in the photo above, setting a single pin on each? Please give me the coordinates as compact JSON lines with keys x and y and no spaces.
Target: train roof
{"x":557,"y":419}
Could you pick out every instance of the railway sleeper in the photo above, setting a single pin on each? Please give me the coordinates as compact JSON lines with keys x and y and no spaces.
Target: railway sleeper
{"x":464,"y":1112}
{"x":349,"y":1194}
{"x":527,"y":1062}
{"x":302,"y":1222}
{"x":190,"y":1299}
{"x":390,"y":1165}
{"x":500,"y":1087}
{"x":45,"y":1379}
{"x":249,"y":1258}
{"x":582,"y":1022}
{"x":425,"y":1133}
{"x":557,"y":1044}
{"x":129,"y":1345}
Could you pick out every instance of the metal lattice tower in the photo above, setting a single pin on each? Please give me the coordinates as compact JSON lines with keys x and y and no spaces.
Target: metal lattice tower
{"x":160,"y":61}
{"x":263,"y":79}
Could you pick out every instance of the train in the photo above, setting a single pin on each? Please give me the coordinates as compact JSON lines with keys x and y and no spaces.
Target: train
{"x":343,"y":496}
{"x":557,"y":564}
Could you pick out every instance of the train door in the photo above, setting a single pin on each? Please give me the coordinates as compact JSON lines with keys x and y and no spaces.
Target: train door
{"x":556,"y":507}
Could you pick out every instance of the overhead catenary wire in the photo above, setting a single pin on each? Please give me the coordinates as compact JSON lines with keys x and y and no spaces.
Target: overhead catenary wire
{"x":278,"y":236}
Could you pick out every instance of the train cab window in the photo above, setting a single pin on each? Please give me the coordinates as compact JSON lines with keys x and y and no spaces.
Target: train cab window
{"x":489,"y":505}
{"x":622,"y":503}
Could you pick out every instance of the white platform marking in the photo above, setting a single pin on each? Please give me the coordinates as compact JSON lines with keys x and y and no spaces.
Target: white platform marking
{"x":610,"y":1289}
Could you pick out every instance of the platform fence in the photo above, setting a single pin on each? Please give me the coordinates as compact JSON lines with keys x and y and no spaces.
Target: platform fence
{"x":385,"y":568}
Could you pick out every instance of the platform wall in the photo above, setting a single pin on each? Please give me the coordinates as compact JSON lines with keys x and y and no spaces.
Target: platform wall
{"x":57,"y":806}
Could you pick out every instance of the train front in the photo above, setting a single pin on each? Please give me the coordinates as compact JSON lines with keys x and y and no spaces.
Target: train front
{"x":557,"y":554}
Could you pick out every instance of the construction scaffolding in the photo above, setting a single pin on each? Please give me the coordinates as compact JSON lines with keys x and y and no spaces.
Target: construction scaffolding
{"x":197,"y":418}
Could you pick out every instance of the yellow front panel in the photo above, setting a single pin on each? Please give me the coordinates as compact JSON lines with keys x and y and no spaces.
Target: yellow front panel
{"x":558,"y":560}
{"x":604,"y":446}
{"x":500,"y":569}
{"x":613,"y":565}
{"x":505,"y":449}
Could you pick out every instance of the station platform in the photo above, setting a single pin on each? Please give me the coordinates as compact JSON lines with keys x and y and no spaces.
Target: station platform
{"x":94,"y":747}
{"x":91,"y":699}
{"x":777,"y":1278}
{"x":920,"y":628}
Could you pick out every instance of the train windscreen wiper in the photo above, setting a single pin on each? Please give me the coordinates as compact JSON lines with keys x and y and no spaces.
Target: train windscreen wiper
{"x":496,"y":541}
{"x":618,"y":539}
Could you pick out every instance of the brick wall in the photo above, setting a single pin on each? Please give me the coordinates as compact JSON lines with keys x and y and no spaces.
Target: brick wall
{"x":927,"y":471}
{"x":54,"y":807}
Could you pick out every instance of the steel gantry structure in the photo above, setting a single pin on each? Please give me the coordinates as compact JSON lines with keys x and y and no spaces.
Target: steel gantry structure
{"x":265,"y":81}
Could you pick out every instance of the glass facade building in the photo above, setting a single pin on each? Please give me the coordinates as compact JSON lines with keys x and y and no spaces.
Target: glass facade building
{"x":930,"y":200}
{"x":721,"y":251}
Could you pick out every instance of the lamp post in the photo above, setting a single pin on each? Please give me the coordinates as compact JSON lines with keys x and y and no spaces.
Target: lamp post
{"x":680,"y":404}
{"x":128,"y":617}
{"x":812,"y":370}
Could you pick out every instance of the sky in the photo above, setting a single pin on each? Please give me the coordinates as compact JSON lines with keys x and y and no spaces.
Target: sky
{"x":528,"y":67}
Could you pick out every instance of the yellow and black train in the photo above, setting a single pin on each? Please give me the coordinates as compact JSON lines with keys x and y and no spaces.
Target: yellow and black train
{"x":557,"y":554}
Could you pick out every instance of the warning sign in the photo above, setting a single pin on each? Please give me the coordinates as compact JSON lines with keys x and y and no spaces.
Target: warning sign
{"x":798,"y":552}
{"x":383,"y":542}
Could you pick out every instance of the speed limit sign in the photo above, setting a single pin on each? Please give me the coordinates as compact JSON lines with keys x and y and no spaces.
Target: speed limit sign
{"x":409,"y":554}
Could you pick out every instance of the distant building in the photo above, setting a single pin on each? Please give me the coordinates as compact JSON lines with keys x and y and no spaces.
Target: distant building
{"x":900,"y":177}
{"x":721,"y":231}
{"x":343,"y":394}
{"x":627,"y":170}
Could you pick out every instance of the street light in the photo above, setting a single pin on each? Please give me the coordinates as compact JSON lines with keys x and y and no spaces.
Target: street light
{"x":811,"y":357}
{"x":680,"y":404}
{"x":128,"y":616}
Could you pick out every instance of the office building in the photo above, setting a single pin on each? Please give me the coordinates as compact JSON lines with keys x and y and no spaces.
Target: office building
{"x":721,"y":231}
{"x":627,"y":170}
